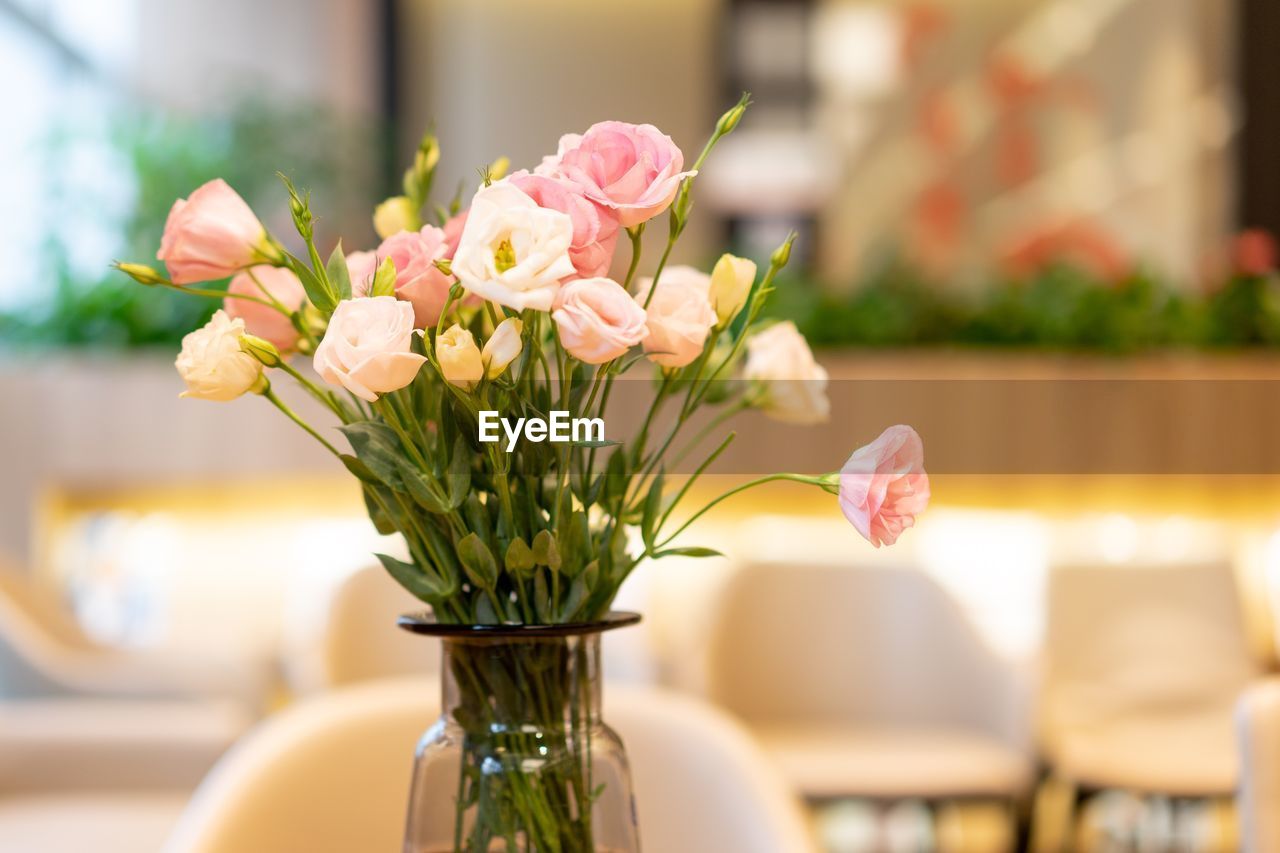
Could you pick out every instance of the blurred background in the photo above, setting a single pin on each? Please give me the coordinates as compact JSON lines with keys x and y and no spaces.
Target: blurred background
{"x":1040,"y":230}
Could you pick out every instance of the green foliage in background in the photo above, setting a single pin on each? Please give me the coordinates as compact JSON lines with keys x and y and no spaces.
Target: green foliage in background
{"x":1060,"y":309}
{"x":164,"y":157}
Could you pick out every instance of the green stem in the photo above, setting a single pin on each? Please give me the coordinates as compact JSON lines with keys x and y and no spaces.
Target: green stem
{"x":797,"y":478}
{"x":279,"y":404}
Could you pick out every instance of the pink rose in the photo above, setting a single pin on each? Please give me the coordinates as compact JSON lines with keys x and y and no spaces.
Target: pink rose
{"x":361,"y":267}
{"x":453,"y":232}
{"x":679,"y":315}
{"x":267,"y":282}
{"x":883,"y":486}
{"x":212,"y":234}
{"x":633,"y":169}
{"x":595,"y":228}
{"x":597,"y":319}
{"x":418,"y":280}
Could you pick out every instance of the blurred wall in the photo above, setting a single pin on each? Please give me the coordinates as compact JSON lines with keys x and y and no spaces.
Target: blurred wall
{"x":322,"y":50}
{"x":508,"y":77}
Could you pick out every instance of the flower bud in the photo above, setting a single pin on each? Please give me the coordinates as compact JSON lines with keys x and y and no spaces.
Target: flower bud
{"x":782,"y":254}
{"x":498,"y":168}
{"x":141,"y":273}
{"x":503,"y":347}
{"x":261,"y":349}
{"x":394,"y":215}
{"x":731,"y":281}
{"x":459,"y":357}
{"x":730,"y":119}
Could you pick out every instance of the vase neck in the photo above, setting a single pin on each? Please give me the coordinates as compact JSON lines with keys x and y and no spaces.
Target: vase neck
{"x":539,"y":682}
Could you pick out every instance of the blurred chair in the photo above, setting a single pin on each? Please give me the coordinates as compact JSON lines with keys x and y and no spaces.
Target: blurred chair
{"x":78,"y":717}
{"x":1143,"y":667}
{"x":348,"y":634}
{"x":1258,"y":725}
{"x":868,"y":682}
{"x":333,"y":774}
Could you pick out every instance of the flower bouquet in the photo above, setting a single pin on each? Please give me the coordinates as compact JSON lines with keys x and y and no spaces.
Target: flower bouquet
{"x":469,"y":364}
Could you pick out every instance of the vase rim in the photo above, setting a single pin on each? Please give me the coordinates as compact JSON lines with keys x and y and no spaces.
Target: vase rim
{"x":424,"y":622}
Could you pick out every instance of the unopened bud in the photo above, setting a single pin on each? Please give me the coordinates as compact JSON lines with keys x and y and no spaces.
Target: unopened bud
{"x":498,"y":168}
{"x":730,"y":119}
{"x":141,"y":273}
{"x":444,"y":265}
{"x":782,"y":254}
{"x":261,"y":349}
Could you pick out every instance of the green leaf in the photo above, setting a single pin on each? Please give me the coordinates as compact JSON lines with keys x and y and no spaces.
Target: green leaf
{"x":477,"y":562}
{"x":692,"y":551}
{"x":317,"y":291}
{"x":519,"y":560}
{"x":573,"y":601}
{"x":359,"y":469}
{"x":545,"y":552}
{"x":382,"y":522}
{"x":458,"y":478}
{"x":377,"y":446}
{"x":575,"y":543}
{"x":652,"y":507}
{"x":423,"y":491}
{"x":485,"y":614}
{"x":339,"y":275}
{"x":423,"y":585}
{"x":542,"y":604}
{"x":384,"y":280}
{"x":604,"y":442}
{"x":591,"y":574}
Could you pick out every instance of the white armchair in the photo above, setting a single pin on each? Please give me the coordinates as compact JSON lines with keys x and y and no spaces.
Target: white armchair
{"x":700,"y":782}
{"x":868,"y":682}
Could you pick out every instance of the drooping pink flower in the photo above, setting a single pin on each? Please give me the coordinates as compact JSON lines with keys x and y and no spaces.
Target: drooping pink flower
{"x":883,"y":486}
{"x":267,"y":282}
{"x":210,"y":235}
{"x":595,"y":227}
{"x":632,"y":169}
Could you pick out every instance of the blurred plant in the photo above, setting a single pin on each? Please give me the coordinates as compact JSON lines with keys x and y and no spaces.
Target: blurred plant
{"x":165,"y":156}
{"x":1061,"y":308}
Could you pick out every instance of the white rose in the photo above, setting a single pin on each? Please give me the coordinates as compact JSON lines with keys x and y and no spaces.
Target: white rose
{"x":513,"y":252}
{"x":794,"y":385}
{"x":502,"y":347}
{"x":368,"y":347}
{"x":459,"y":357}
{"x":731,"y":281}
{"x":212,"y":363}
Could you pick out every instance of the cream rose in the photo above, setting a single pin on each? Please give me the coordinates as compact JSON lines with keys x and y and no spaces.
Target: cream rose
{"x":367,"y":348}
{"x":503,"y":347}
{"x":597,"y":320}
{"x":679,"y":315}
{"x":793,"y":385}
{"x":212,"y":363}
{"x":512,"y":251}
{"x":460,"y":361}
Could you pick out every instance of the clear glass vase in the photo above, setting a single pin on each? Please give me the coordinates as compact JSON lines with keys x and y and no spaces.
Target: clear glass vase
{"x":520,"y":759}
